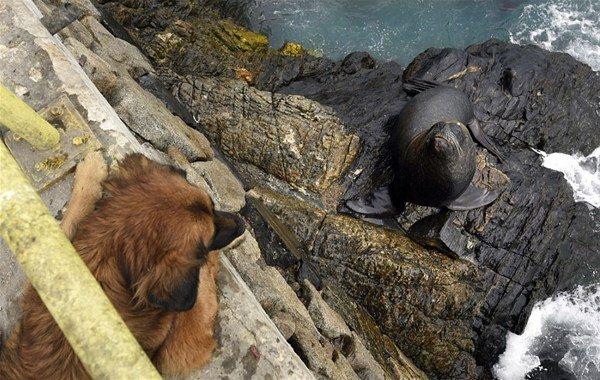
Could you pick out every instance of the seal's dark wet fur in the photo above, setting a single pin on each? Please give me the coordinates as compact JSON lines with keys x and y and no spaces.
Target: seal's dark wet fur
{"x":433,"y":152}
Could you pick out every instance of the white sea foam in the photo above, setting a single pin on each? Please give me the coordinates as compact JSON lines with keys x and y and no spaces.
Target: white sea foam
{"x":565,"y":328}
{"x":561,"y":25}
{"x":581,"y":172}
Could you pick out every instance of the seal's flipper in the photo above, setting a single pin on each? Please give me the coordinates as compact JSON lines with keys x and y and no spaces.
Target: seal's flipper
{"x":414,"y":86}
{"x":472,"y":198}
{"x":484,"y":140}
{"x":377,"y":204}
{"x":308,"y":271}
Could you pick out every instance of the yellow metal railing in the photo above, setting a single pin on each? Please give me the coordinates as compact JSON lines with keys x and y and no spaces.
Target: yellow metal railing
{"x":17,"y":116}
{"x":87,"y":318}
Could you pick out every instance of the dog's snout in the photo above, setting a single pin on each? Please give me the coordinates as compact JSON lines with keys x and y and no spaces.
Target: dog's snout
{"x":228,"y":227}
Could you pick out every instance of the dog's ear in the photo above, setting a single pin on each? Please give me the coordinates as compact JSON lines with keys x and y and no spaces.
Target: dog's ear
{"x":134,"y":165}
{"x":130,"y":170}
{"x":228,"y":227}
{"x":181,"y":295}
{"x":172,"y":284}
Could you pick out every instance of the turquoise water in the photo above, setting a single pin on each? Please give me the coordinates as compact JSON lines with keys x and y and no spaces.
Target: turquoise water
{"x":401,"y":29}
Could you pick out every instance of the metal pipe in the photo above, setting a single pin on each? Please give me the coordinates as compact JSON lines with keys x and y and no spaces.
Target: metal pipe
{"x":17,"y":116}
{"x":85,"y":315}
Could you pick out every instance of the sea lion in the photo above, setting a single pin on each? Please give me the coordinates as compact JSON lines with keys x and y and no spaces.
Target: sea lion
{"x":433,"y":154}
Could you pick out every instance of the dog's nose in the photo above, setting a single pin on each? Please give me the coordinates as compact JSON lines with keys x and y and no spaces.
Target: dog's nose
{"x":229,"y":227}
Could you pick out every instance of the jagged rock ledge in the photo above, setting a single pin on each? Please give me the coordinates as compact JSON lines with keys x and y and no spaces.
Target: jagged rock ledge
{"x":284,"y":132}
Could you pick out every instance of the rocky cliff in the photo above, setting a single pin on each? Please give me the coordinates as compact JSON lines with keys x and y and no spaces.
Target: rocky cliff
{"x":308,"y":133}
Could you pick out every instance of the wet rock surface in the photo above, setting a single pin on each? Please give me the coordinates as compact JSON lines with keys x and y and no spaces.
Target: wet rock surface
{"x":424,"y":300}
{"x":526,"y":244}
{"x":448,"y":315}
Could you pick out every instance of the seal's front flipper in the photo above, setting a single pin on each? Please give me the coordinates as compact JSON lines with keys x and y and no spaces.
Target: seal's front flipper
{"x":414,"y":86}
{"x":377,"y":208}
{"x":472,"y":198}
{"x":377,"y":204}
{"x":484,"y":140}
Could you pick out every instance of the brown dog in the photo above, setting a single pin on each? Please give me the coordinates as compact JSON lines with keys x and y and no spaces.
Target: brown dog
{"x":151,"y":243}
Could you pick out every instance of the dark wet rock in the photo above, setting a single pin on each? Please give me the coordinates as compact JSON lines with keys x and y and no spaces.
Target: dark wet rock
{"x":274,"y":251}
{"x":278,"y":254}
{"x":549,"y":370}
{"x":364,"y":94}
{"x":189,"y":38}
{"x":526,"y":96}
{"x":528,"y":241}
{"x":438,"y":231}
{"x":384,"y":350}
{"x":152,"y":83}
{"x":422,"y":299}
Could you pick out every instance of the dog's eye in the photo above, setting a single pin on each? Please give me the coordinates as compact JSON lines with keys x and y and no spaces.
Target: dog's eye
{"x":200,"y":208}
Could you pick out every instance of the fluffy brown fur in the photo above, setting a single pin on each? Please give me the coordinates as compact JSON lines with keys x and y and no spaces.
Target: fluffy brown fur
{"x":151,"y":243}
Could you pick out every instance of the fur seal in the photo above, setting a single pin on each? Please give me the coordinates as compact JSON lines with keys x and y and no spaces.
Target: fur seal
{"x":433,"y":153}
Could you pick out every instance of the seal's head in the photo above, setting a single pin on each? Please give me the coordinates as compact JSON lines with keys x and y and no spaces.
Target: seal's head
{"x":448,"y":139}
{"x":443,"y":162}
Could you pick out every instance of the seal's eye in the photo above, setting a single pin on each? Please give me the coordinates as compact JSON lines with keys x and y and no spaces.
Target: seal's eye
{"x":458,"y":131}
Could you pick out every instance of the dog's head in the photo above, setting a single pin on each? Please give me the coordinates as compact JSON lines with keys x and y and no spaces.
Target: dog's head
{"x":165,"y":228}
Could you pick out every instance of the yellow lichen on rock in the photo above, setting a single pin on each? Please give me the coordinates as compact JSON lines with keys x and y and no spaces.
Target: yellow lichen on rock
{"x":235,"y":37}
{"x":78,"y":140}
{"x":52,"y":163}
{"x":292,"y":49}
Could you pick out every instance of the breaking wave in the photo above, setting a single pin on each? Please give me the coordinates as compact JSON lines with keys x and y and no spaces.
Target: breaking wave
{"x":566,"y":26}
{"x":581,"y":172}
{"x":564,"y":329}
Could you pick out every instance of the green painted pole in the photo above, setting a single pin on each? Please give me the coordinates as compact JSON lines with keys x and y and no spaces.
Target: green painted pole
{"x":17,"y":116}
{"x":89,"y":321}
